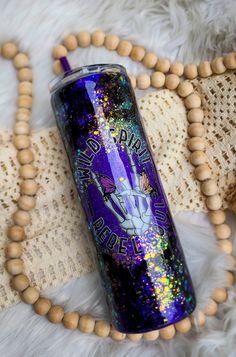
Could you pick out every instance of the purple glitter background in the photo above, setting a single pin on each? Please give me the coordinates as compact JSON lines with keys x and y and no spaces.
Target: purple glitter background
{"x":141,"y":261}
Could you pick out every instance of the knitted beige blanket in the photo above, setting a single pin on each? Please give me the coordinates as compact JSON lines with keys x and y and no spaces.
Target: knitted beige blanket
{"x":57,"y":245}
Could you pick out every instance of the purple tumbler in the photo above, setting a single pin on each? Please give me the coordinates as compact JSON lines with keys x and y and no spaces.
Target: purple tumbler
{"x":143,"y":269}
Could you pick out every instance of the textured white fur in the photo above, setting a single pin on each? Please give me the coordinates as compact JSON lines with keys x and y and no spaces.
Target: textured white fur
{"x":181,"y":30}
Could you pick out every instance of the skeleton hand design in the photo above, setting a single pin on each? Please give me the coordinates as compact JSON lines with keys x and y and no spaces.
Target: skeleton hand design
{"x":129,"y":203}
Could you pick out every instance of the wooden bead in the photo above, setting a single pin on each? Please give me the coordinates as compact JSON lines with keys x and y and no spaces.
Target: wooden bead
{"x":21,"y":218}
{"x":192,"y":101}
{"x":151,"y":335}
{"x":14,"y":266}
{"x":111,"y":42}
{"x":26,"y":203}
{"x":167,"y":333}
{"x":137,"y":53}
{"x":184,"y":325}
{"x":16,"y":233}
{"x":23,"y":114}
{"x":25,"y":156}
{"x":57,"y":68}
{"x":86,"y":324}
{"x":25,"y":88}
{"x":202,"y":172}
{"x":157,"y":79}
{"x":230,"y":60}
{"x":198,"y":158}
{"x":177,"y":68}
{"x":70,"y":320}
{"x":150,"y":60}
{"x":217,"y":65}
{"x":196,"y":129}
{"x":30,"y":295}
{"x":28,"y":171}
{"x":134,"y":337}
{"x":25,"y":75}
{"x":163,"y":65}
{"x":133,"y":81}
{"x":21,"y":142}
{"x":42,"y":306}
{"x":143,"y":81}
{"x":204,"y":69}
{"x":211,"y":308}
{"x":21,"y":60}
{"x":184,"y":89}
{"x":19,"y":282}
{"x":195,"y":115}
{"x":198,"y":318}
{"x":220,"y":295}
{"x":24,"y":101}
{"x":229,"y":277}
{"x":13,"y":250}
{"x":124,"y":48}
{"x":59,"y":51}
{"x":172,"y":81}
{"x":223,"y":231}
{"x":28,"y":187}
{"x":209,"y":188}
{"x":9,"y":50}
{"x":214,"y":202}
{"x":98,"y":38}
{"x":196,"y":144}
{"x":70,"y":42}
{"x":116,"y":335}
{"x":190,"y":71}
{"x":55,"y":314}
{"x":102,"y":328}
{"x":217,"y":217}
{"x":226,"y":246}
{"x":22,"y":128}
{"x":84,"y":39}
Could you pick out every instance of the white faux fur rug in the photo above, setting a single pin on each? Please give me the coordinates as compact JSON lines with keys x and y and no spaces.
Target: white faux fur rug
{"x":181,"y":30}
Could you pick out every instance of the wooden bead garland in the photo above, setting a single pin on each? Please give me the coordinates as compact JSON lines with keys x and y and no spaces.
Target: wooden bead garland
{"x":29,"y":187}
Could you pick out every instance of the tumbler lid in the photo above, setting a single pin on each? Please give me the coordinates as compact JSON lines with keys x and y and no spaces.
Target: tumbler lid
{"x":79,"y":72}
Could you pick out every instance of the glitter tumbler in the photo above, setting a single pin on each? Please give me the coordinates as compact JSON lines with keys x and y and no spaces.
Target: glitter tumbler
{"x":142,"y":265}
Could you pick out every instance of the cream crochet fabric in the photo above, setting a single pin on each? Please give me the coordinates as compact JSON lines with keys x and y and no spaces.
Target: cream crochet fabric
{"x":57,"y":246}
